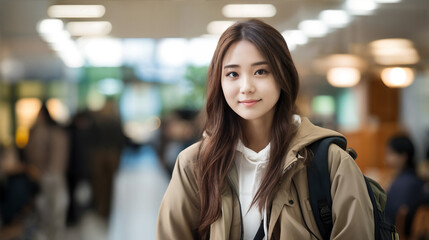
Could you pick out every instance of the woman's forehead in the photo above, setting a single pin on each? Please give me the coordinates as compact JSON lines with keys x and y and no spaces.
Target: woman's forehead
{"x":242,"y":52}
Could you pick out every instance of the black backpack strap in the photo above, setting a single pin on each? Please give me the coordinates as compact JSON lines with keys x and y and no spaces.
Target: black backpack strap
{"x":319,"y":183}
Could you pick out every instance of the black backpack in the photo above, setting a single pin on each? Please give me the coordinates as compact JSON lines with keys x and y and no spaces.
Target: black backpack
{"x":319,"y":186}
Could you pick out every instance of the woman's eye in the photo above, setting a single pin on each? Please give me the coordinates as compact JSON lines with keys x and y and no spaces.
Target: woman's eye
{"x":261,"y":72}
{"x":232,"y":74}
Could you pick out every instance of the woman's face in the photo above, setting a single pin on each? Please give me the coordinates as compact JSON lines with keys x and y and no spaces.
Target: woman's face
{"x":394,"y":159}
{"x":247,"y":82}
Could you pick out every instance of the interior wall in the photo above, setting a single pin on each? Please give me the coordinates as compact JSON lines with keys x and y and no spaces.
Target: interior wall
{"x":415,"y":112}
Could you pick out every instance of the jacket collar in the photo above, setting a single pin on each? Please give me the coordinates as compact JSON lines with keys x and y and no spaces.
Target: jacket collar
{"x":306,"y":134}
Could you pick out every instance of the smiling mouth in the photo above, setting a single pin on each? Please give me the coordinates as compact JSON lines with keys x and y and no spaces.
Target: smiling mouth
{"x":249,"y":103}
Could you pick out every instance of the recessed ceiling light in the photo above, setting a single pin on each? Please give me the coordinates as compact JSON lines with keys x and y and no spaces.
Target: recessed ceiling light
{"x":361,"y":7}
{"x":56,"y":37}
{"x":248,"y":10}
{"x":335,"y":18}
{"x":76,"y":11}
{"x":313,"y":28}
{"x":295,"y":37}
{"x":388,"y":1}
{"x":101,"y":52}
{"x":49,"y":26}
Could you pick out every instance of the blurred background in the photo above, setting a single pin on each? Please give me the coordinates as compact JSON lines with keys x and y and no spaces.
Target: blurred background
{"x":97,"y":98}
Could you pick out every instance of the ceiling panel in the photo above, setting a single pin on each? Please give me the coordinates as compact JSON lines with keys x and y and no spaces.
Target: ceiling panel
{"x":189,"y":18}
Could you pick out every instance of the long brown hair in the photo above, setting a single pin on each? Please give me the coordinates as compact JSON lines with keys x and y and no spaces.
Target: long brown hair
{"x":222,"y":126}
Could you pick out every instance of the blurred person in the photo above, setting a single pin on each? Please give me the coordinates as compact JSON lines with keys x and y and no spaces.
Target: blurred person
{"x":47,"y":152}
{"x":79,"y":169}
{"x":407,"y":188}
{"x":17,"y":191}
{"x":180,"y":129}
{"x":109,"y":141}
{"x":247,"y":174}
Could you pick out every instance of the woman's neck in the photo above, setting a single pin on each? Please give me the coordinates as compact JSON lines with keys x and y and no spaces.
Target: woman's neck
{"x":257,"y":134}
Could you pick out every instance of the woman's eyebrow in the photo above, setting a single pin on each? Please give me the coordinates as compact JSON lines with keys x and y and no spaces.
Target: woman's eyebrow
{"x":259,"y":63}
{"x":253,"y":64}
{"x":231,"y":66}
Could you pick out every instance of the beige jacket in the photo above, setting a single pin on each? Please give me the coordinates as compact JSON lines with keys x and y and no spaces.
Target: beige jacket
{"x":351,"y":206}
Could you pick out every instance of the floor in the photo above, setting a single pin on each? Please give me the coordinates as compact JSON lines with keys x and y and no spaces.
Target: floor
{"x":138,"y":190}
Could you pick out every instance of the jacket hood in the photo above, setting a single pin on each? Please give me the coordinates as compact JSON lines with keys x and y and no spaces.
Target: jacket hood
{"x":307,"y":133}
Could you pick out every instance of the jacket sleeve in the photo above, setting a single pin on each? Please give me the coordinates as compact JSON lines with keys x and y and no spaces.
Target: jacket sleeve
{"x":179,"y":211}
{"x":352,"y":213}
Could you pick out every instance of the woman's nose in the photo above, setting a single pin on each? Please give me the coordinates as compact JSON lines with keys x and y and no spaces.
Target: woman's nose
{"x":247,"y":85}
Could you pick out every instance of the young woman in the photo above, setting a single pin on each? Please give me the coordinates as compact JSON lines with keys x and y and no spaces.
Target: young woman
{"x":250,"y":164}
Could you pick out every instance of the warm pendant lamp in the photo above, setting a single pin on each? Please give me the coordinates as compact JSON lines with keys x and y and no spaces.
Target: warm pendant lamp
{"x":397,"y":77}
{"x":343,"y":77}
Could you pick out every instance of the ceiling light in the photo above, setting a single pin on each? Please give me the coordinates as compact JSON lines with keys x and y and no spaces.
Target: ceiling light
{"x":388,"y":1}
{"x":51,"y":31}
{"x":313,"y":28}
{"x":397,"y":77}
{"x":394,"y":51}
{"x":76,"y":11}
{"x":295,"y":37}
{"x":397,"y":56}
{"x":248,"y":10}
{"x":343,"y":76}
{"x":323,"y":65}
{"x":344,"y":60}
{"x":361,"y":7}
{"x":335,"y":18}
{"x":62,"y":45}
{"x":102,"y":52}
{"x":67,"y":50}
{"x":218,"y":27}
{"x":56,"y":37}
{"x":391,"y":43}
{"x":291,"y":47}
{"x":48,"y":26}
{"x":95,"y":28}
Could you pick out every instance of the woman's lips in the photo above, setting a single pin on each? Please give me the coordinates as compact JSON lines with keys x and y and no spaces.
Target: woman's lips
{"x":249,"y":103}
